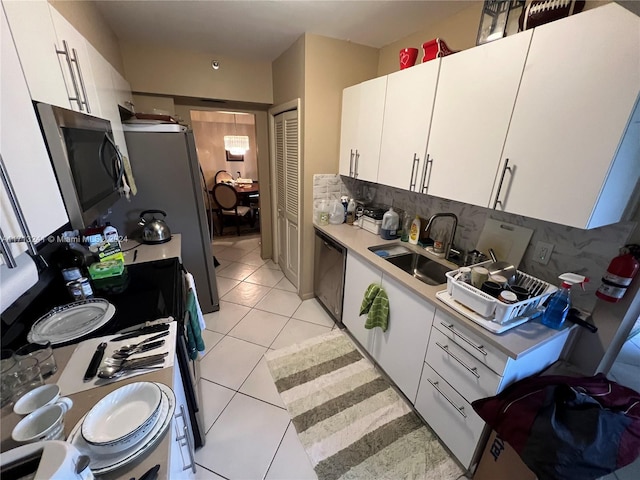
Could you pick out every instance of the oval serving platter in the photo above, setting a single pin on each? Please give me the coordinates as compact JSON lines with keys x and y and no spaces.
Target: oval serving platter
{"x":69,"y":322}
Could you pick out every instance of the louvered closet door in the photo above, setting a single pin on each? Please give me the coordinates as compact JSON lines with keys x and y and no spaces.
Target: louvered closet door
{"x":288,"y":188}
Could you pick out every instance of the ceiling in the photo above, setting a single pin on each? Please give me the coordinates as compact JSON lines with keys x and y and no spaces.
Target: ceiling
{"x":263,"y":29}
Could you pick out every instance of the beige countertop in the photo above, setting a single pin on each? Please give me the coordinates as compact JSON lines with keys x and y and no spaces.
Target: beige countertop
{"x":514,"y":343}
{"x":150,"y":253}
{"x":83,"y":402}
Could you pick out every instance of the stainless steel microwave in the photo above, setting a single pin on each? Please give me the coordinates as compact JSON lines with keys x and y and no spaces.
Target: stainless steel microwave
{"x":86,"y":161}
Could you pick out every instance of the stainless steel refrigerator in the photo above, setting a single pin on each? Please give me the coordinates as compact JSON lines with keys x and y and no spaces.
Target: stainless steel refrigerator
{"x":167,"y":174}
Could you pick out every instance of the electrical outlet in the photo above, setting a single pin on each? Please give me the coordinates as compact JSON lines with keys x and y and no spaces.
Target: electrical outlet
{"x":542,"y":252}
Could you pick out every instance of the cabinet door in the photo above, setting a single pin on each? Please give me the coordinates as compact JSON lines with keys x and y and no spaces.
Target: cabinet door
{"x":371,"y":111}
{"x":81,"y":66}
{"x":400,"y":351}
{"x":471,"y":117}
{"x":359,"y":275}
{"x":349,"y":129}
{"x":577,"y":94}
{"x":450,"y":416}
{"x":24,"y":154}
{"x":35,"y":39}
{"x":405,"y":130}
{"x":107,"y":95}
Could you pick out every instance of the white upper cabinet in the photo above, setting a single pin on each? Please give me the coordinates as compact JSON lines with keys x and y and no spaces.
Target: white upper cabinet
{"x":35,"y":39}
{"x":477,"y":89}
{"x":75,"y":65}
{"x":407,"y":120}
{"x":567,"y":161}
{"x":24,"y":154}
{"x":362,"y":114}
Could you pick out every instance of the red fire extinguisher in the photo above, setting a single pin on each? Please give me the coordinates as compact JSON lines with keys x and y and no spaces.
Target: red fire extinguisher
{"x":620,"y":274}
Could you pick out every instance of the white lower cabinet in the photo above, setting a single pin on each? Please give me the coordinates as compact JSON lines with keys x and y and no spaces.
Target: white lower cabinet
{"x":358,"y":276}
{"x":183,"y":459}
{"x":401,"y":349}
{"x":449,"y":415}
{"x":461,"y":368}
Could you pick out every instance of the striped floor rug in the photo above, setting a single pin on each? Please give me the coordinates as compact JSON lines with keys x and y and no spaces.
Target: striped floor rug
{"x":352,"y":424}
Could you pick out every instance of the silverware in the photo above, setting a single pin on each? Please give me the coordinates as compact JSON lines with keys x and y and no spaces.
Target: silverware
{"x":140,"y":349}
{"x":92,"y":369}
{"x":116,"y":362}
{"x":128,"y":348}
{"x":110,"y":372}
{"x":141,"y":329}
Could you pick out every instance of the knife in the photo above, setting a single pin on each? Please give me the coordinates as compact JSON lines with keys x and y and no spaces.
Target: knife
{"x":92,"y":369}
{"x":148,"y":323}
{"x":142,"y":331}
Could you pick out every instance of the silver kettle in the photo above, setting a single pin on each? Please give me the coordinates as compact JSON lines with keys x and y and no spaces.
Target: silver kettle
{"x":155,"y":230}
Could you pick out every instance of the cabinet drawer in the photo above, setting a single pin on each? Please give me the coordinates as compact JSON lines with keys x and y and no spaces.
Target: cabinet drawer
{"x":449,"y":415}
{"x":465,"y":373}
{"x":471,"y":342}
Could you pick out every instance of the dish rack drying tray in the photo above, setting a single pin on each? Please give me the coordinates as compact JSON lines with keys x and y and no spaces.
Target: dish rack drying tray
{"x":489,"y":312}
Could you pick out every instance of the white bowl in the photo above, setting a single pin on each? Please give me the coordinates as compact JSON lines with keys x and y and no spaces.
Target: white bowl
{"x":119,"y":415}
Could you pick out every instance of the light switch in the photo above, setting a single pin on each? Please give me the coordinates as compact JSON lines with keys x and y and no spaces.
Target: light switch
{"x":542,"y":252}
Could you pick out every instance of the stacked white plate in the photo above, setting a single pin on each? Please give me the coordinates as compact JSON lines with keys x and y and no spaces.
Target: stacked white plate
{"x":123,"y":425}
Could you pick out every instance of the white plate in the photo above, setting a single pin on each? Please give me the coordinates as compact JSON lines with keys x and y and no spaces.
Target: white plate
{"x":119,"y":415}
{"x":69,"y":322}
{"x":101,"y":464}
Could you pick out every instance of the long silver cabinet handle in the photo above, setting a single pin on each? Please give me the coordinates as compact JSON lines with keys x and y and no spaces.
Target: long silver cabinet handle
{"x":357,"y":163}
{"x":15,"y":205}
{"x":351,"y":163}
{"x":473,"y":370}
{"x":67,"y":56}
{"x":504,"y":172}
{"x":424,"y":183}
{"x":81,"y":77}
{"x":186,"y":438}
{"x":479,"y":348}
{"x":6,"y":251}
{"x":412,"y":182}
{"x":460,"y":410}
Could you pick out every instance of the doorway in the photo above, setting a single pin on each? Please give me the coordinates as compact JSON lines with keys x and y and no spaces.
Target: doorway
{"x":227,"y":152}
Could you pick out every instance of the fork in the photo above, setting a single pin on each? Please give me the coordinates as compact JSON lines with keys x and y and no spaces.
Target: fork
{"x":124,"y":362}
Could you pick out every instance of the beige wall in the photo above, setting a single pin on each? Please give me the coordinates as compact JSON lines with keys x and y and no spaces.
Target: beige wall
{"x":87,"y":19}
{"x":316,"y":69}
{"x":288,"y":73}
{"x":151,"y":69}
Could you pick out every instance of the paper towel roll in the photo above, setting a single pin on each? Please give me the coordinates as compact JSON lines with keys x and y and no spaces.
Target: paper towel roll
{"x":15,"y":281}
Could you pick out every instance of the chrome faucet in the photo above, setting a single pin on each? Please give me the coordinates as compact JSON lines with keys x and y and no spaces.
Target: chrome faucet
{"x":427,"y":230}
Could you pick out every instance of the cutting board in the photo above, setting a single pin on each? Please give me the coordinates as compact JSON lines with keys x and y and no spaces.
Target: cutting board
{"x":508,"y":241}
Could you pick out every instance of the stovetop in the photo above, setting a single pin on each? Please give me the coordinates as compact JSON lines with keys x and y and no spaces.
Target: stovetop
{"x":146,"y":291}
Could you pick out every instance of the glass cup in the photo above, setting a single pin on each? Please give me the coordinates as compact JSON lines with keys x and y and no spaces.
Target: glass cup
{"x":7,"y":361}
{"x":22,"y":377}
{"x":43,"y":353}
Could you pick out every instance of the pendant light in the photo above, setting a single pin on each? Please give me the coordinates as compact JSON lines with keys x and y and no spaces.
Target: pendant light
{"x":236,"y":144}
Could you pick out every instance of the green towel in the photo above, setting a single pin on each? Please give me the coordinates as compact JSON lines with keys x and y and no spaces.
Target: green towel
{"x":376,"y":305}
{"x":194,"y":333}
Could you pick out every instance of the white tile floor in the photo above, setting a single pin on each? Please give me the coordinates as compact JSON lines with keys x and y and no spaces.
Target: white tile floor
{"x":249,"y":433}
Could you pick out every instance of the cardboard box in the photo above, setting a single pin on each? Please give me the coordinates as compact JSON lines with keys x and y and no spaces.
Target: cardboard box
{"x":501,"y":462}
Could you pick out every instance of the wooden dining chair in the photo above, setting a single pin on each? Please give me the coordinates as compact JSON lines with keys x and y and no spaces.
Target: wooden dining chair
{"x":222,"y":176}
{"x":228,"y":201}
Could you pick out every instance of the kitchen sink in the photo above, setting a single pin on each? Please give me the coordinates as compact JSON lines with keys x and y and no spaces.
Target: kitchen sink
{"x":419,"y":266}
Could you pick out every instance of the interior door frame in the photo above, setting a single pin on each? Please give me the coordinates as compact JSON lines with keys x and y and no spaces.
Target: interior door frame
{"x":292,"y":105}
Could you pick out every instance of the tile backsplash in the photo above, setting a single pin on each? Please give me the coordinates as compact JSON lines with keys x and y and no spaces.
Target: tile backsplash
{"x":586,"y":252}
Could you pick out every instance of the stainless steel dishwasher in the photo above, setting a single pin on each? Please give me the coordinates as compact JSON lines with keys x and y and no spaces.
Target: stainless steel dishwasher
{"x":328,"y":278}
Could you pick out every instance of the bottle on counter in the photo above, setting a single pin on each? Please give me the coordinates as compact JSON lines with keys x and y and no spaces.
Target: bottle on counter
{"x":556,"y":312}
{"x":336,"y":213}
{"x":389,"y":227}
{"x":414,"y":231}
{"x":345,"y":203}
{"x":351,"y":211}
{"x":406,"y":228}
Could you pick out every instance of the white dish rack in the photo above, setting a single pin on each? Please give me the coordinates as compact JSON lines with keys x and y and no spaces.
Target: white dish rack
{"x":488,"y":311}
